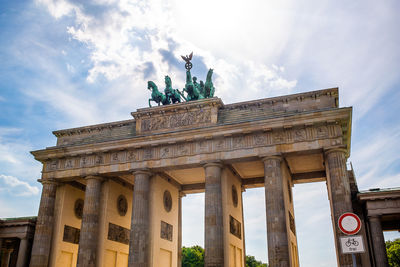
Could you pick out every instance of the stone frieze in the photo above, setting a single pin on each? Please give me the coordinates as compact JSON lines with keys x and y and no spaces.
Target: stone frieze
{"x":204,"y":146}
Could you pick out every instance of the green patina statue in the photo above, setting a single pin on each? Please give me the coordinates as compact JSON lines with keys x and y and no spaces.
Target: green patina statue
{"x":209,"y":87}
{"x":173,"y":95}
{"x":193,"y":89}
{"x":156,"y":95}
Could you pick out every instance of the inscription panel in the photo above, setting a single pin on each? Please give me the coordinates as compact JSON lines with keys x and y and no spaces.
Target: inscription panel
{"x":166,"y":231}
{"x":118,"y":234}
{"x":235,"y":227}
{"x":199,"y":117}
{"x":71,"y":234}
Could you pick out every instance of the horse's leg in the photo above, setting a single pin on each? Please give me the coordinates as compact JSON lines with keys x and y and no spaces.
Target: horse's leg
{"x":149,"y":102}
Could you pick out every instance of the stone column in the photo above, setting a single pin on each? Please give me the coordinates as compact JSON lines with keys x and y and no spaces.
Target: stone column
{"x":378,"y":242}
{"x":139,"y":243}
{"x":181,"y":194}
{"x":339,"y":196}
{"x":22,"y":252}
{"x":214,"y":235}
{"x":44,"y":225}
{"x":5,"y":260}
{"x":277,"y":236}
{"x":88,"y":240}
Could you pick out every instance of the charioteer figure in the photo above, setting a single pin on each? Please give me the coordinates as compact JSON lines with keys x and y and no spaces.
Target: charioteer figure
{"x":193,"y":89}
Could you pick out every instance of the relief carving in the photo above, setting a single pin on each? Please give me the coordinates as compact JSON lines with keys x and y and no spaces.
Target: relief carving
{"x":147,"y":153}
{"x":300,"y":135}
{"x":202,"y":146}
{"x":99,"y":159}
{"x":219,"y":144}
{"x":122,"y":205}
{"x":176,"y":120}
{"x":259,"y":139}
{"x":235,"y":227}
{"x":69,"y":163}
{"x":322,"y":131}
{"x":238,"y":142}
{"x":78,"y":208}
{"x":118,"y":234}
{"x":132,"y":155}
{"x":71,"y":234}
{"x":165,"y":152}
{"x":84,"y":161}
{"x":183,"y":149}
{"x":278,"y":137}
{"x":52,"y":165}
{"x":167,"y":200}
{"x":234,"y":196}
{"x":166,"y":231}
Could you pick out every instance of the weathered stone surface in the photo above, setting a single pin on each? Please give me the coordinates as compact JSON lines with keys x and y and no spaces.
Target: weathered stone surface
{"x":44,"y":225}
{"x":213,"y":236}
{"x":378,"y":242}
{"x":340,"y":196}
{"x":278,"y":247}
{"x":88,"y":241}
{"x":139,"y":244}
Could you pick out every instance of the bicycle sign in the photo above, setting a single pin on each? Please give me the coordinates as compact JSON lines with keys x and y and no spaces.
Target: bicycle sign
{"x":352,"y":244}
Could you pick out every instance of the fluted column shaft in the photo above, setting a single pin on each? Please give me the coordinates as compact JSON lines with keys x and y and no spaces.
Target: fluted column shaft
{"x":277,"y":236}
{"x":340,"y":196}
{"x":213,"y":236}
{"x":378,"y":242}
{"x":88,"y":240}
{"x":5,"y":260}
{"x":44,"y":225}
{"x":22,"y":251}
{"x":139,"y":244}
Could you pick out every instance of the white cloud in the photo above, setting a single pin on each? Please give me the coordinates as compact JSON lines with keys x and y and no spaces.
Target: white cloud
{"x":17,"y":187}
{"x":377,"y":147}
{"x":130,"y":34}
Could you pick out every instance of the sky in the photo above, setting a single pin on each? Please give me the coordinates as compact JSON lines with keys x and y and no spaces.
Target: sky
{"x":70,"y":63}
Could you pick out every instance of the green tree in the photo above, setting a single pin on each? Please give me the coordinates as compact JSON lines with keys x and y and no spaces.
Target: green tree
{"x":393,"y":252}
{"x":252,"y":262}
{"x":193,"y":256}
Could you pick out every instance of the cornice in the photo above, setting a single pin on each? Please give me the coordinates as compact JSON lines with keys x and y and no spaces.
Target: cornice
{"x":341,"y":116}
{"x":92,"y":128}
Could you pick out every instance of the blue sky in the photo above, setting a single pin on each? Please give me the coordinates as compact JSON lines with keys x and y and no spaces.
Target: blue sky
{"x":71,"y":63}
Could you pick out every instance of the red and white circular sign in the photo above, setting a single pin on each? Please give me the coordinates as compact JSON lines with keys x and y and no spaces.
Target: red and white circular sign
{"x":349,"y":223}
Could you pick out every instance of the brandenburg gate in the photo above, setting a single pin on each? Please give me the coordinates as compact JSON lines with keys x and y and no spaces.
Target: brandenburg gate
{"x":112,"y":192}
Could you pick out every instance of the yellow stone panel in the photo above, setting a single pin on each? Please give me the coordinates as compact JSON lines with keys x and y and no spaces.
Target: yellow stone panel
{"x":110,"y":258}
{"x":165,"y":258}
{"x":65,"y":259}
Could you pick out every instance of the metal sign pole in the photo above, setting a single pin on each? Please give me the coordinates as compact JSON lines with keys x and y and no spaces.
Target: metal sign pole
{"x":353,"y":256}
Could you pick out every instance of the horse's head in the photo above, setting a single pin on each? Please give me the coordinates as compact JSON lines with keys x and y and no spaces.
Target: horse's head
{"x":168,"y":81}
{"x":209,"y":73}
{"x":150,"y":85}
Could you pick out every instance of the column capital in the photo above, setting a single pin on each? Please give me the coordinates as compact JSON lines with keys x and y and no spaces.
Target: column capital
{"x":48,"y":181}
{"x":276,"y":156}
{"x":216,"y":163}
{"x":141,"y":171}
{"x":181,"y":194}
{"x":327,"y":151}
{"x":96,"y":177}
